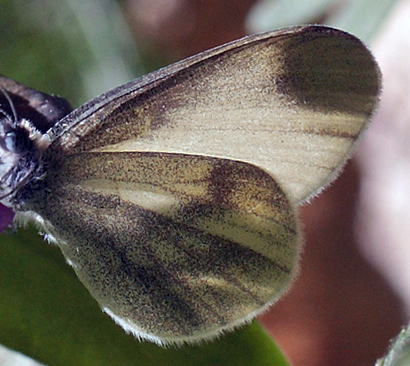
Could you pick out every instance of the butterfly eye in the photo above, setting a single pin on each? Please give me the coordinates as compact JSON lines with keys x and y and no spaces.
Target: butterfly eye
{"x":16,"y":141}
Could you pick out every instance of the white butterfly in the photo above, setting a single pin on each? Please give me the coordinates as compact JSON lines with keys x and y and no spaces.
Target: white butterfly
{"x":173,"y":197}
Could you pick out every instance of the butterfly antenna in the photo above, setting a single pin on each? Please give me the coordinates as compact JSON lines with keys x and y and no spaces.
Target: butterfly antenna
{"x":11,"y":104}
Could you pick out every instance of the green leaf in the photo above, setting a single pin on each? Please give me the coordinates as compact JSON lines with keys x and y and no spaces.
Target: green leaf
{"x":399,"y":354}
{"x":46,"y":313}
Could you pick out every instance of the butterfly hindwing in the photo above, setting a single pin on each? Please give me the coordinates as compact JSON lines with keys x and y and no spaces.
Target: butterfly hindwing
{"x":176,"y":246}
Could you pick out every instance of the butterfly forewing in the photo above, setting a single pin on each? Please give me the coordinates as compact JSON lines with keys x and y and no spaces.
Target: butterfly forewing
{"x":292,"y":102}
{"x":173,"y":246}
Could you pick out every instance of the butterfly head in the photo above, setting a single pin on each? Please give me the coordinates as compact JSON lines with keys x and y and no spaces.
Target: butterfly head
{"x":21,"y":148}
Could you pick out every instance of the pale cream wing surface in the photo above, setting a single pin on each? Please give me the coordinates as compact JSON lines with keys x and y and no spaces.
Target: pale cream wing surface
{"x":174,"y":247}
{"x":292,"y":102}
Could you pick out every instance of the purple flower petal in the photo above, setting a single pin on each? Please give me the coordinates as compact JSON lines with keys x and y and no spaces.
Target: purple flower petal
{"x":6,"y":217}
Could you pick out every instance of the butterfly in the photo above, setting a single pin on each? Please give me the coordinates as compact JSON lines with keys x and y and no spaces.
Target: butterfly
{"x":174,"y":197}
